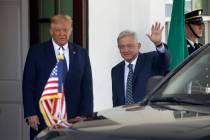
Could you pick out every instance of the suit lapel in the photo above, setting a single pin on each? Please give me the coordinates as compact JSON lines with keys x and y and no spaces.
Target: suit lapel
{"x":72,"y":54}
{"x":121,"y":81}
{"x":138,"y":68}
{"x":140,"y":62}
{"x":50,"y":55}
{"x":188,"y":44}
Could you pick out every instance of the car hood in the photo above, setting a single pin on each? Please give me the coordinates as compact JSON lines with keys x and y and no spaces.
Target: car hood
{"x":142,"y":122}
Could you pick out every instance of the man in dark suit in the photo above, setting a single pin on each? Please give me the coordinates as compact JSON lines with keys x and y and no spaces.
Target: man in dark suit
{"x":194,"y":26}
{"x":129,"y":77}
{"x":41,"y":59}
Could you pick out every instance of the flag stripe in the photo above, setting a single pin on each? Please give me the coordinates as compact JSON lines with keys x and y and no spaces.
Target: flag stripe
{"x":50,"y":88}
{"x":48,"y":114}
{"x":50,"y":91}
{"x":51,"y":85}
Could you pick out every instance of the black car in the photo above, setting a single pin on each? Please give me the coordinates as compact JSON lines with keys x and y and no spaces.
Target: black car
{"x":178,"y":108}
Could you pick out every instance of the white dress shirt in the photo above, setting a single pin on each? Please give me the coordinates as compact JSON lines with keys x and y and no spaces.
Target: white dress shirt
{"x":65,"y":51}
{"x":161,"y":49}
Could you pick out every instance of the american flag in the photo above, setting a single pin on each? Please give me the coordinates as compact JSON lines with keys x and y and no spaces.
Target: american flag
{"x":52,"y":102}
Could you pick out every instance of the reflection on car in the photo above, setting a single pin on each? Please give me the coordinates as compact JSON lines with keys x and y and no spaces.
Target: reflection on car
{"x":178,"y":107}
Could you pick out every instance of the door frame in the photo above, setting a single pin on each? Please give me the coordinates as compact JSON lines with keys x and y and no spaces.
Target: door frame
{"x":80,"y":22}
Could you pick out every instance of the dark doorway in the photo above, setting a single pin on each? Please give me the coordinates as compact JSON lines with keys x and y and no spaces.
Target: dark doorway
{"x":40,"y":19}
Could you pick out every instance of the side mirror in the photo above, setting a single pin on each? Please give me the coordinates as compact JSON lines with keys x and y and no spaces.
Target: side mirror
{"x":152,"y":82}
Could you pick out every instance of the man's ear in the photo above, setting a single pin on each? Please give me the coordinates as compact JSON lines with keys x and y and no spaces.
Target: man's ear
{"x":139,"y":45}
{"x":50,"y":31}
{"x":71,"y":30}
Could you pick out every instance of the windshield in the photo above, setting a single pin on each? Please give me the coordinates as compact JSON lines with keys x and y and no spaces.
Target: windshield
{"x":192,"y":81}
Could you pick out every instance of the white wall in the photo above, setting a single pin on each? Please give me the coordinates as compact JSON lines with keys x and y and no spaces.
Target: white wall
{"x":107,"y":18}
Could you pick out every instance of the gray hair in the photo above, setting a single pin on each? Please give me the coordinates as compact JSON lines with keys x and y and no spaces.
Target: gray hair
{"x":127,"y":33}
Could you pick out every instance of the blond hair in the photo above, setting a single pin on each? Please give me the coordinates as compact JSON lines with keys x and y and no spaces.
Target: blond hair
{"x":60,"y":18}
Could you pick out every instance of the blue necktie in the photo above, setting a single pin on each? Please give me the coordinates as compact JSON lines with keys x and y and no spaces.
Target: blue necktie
{"x":129,"y":86}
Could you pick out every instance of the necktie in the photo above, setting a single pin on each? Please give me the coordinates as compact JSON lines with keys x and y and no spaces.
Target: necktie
{"x":129,"y":89}
{"x":196,"y":45}
{"x":63,"y":63}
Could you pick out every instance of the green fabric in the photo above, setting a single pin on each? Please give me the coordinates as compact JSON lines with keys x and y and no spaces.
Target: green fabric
{"x":176,"y":39}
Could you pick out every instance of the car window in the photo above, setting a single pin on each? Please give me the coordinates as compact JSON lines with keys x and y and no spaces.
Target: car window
{"x":193,"y":80}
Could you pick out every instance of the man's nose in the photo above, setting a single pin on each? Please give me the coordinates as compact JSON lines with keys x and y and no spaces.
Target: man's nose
{"x":62,"y":33}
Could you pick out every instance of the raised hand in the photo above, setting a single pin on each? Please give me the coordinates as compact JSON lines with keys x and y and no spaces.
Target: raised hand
{"x":156,"y":33}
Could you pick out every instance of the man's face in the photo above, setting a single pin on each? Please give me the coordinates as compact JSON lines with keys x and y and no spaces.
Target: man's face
{"x":129,"y":48}
{"x":198,"y":29}
{"x":60,"y":32}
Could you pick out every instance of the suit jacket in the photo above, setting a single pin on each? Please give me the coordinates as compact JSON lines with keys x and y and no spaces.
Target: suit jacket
{"x":147,"y":65}
{"x":191,"y":48}
{"x":78,"y":88}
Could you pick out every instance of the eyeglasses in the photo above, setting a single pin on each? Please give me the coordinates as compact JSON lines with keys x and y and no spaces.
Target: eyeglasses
{"x":128,"y":46}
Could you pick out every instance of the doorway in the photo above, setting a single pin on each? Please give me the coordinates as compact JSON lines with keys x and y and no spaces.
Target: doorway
{"x":42,"y":10}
